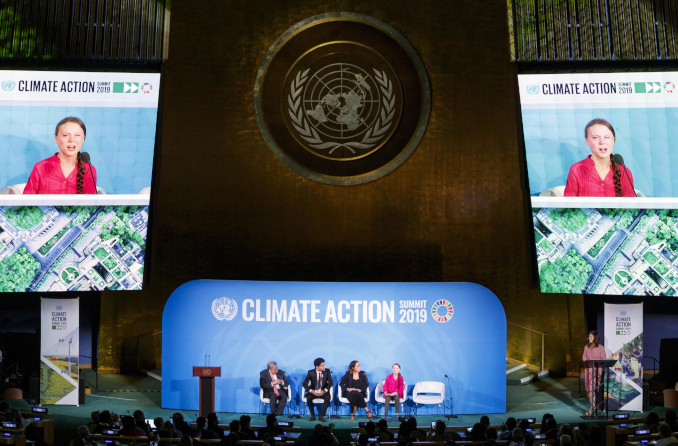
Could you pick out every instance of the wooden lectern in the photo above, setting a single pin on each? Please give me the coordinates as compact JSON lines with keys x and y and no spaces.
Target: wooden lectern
{"x":206,"y":375}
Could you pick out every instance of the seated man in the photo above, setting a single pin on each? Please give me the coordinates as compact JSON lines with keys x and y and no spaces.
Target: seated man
{"x":274,"y":384}
{"x":317,"y":384}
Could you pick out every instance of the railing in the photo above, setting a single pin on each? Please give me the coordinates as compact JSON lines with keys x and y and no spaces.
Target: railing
{"x":97,"y":32}
{"x":593,"y":30}
{"x":526,"y":333}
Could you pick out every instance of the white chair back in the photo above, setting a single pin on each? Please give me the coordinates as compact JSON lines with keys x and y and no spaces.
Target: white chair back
{"x":428,"y":392}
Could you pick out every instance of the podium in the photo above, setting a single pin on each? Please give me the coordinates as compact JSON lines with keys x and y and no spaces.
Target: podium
{"x":206,"y":375}
{"x":600,"y":387}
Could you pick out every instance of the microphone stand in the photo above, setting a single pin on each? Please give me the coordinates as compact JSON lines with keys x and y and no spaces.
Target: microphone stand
{"x":449,"y":391}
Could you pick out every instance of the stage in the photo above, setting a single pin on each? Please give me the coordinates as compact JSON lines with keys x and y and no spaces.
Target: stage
{"x":123,"y":394}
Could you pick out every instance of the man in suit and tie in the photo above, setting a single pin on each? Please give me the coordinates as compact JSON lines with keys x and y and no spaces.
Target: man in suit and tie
{"x":275,"y":384}
{"x":317,"y":384}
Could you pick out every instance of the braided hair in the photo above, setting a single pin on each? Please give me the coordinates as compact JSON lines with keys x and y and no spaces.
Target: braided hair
{"x":615,"y":169}
{"x":81,"y":165}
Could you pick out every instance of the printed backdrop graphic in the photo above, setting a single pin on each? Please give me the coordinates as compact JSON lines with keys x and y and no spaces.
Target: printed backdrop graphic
{"x":431,"y":329}
{"x":59,"y":351}
{"x":624,"y":342}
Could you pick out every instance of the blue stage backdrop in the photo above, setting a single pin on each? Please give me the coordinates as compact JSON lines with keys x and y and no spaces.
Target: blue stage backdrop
{"x":431,"y":329}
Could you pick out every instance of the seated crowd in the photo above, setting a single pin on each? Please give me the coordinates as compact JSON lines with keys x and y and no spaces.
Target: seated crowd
{"x":176,"y":430}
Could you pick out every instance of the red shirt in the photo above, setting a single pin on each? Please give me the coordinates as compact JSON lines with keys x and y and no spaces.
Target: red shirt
{"x":584,"y":181}
{"x":48,"y":178}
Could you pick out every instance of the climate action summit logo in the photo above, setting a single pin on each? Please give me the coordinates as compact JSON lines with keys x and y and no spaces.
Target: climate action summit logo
{"x":224,"y":309}
{"x":342,"y":98}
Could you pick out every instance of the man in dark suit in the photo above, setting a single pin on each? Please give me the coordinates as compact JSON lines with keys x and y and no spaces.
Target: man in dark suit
{"x":275,"y":385}
{"x":317,"y":384}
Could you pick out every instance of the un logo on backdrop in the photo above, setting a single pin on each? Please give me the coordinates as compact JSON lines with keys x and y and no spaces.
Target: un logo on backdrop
{"x":8,"y":85}
{"x":224,"y":309}
{"x":342,"y":98}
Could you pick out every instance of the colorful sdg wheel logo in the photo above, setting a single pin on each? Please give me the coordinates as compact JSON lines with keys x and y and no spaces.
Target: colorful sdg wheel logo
{"x":442,"y":311}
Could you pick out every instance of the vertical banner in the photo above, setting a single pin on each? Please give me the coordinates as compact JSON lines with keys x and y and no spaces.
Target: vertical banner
{"x":59,"y":351}
{"x":624,"y":342}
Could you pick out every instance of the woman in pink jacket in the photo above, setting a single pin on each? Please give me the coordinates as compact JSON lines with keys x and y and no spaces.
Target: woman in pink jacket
{"x":394,"y":389}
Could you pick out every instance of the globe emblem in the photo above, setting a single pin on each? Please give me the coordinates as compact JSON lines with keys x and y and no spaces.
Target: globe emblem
{"x":442,"y":311}
{"x":342,"y":111}
{"x":669,"y":87}
{"x":533,"y":89}
{"x":8,"y":85}
{"x":224,"y":309}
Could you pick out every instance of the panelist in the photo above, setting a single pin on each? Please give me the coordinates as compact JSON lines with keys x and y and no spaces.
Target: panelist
{"x":317,"y":384}
{"x":354,"y":386}
{"x":394,"y":389}
{"x":599,"y":175}
{"x":274,"y":383}
{"x":64,"y":172}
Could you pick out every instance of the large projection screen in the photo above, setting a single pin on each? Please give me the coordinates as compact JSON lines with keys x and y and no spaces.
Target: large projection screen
{"x":603,"y":245}
{"x":74,"y":242}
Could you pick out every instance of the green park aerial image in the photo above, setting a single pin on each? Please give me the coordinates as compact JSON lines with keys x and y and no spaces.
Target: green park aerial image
{"x":607,"y":251}
{"x":72,"y":248}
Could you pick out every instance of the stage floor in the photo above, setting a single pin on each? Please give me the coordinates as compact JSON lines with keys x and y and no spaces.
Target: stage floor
{"x":123,"y":394}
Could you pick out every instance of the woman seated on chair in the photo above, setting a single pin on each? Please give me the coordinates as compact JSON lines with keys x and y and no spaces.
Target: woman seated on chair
{"x":394,"y":389}
{"x":354,"y":386}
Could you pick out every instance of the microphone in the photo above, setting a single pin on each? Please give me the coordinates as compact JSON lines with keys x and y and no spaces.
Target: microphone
{"x":84,"y":157}
{"x":618,"y":159}
{"x":449,"y":392}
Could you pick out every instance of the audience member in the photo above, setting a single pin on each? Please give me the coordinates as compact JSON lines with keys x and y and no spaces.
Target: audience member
{"x":271,"y":427}
{"x":491,"y":436}
{"x":478,"y":432}
{"x":322,"y":436}
{"x":665,"y":436}
{"x":439,"y":432}
{"x":415,"y":433}
{"x":130,"y":429}
{"x":140,"y":421}
{"x":528,"y":439}
{"x":246,"y":431}
{"x":651,"y":422}
{"x":670,"y":419}
{"x":83,"y":438}
{"x":517,"y":437}
{"x":180,"y":424}
{"x":507,"y":429}
{"x":485,"y":420}
{"x":544,"y":420}
{"x":213,"y":424}
{"x":383,"y":432}
{"x":200,"y":430}
{"x":565,"y":440}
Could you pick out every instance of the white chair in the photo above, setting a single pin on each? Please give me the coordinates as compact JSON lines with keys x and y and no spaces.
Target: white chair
{"x":344,"y":400}
{"x":265,"y":401}
{"x":379,"y":395}
{"x":428,"y":392}
{"x":316,"y":400}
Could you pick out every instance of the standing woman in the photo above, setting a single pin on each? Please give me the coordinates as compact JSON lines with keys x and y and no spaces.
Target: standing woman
{"x":394,"y":389}
{"x":598,"y":175}
{"x":64,"y":172}
{"x":593,"y":350}
{"x":354,"y":386}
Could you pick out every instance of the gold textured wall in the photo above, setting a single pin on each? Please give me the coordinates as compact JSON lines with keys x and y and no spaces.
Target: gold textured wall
{"x":224,"y":207}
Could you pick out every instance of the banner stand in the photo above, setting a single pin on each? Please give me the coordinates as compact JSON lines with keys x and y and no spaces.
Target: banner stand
{"x":59,"y":351}
{"x":624,"y":344}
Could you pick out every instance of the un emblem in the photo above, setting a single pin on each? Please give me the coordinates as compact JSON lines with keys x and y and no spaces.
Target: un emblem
{"x":224,"y":309}
{"x":342,"y":98}
{"x":8,"y":85}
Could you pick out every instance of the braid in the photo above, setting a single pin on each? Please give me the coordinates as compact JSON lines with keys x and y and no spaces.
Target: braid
{"x":617,"y":178}
{"x":81,"y":174}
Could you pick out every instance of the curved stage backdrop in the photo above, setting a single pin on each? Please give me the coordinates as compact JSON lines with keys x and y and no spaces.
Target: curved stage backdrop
{"x":431,"y":329}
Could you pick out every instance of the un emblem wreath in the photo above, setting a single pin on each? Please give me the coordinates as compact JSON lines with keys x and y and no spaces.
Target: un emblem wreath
{"x":337,"y":111}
